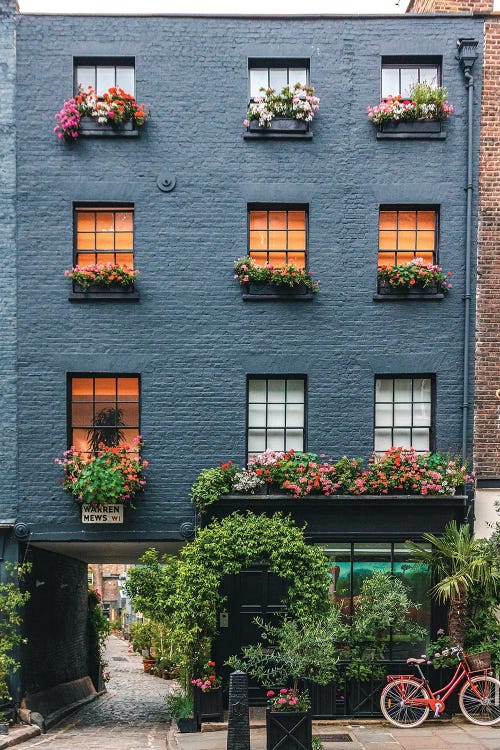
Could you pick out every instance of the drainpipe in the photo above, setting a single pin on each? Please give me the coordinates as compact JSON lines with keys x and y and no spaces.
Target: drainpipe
{"x":467,"y":54}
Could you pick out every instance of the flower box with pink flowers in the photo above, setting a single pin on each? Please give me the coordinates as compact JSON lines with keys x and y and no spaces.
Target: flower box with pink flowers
{"x":286,"y":114}
{"x":114,"y":113}
{"x":421,"y":115}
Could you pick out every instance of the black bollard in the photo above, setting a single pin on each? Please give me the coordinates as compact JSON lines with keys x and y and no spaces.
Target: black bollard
{"x":238,"y":725}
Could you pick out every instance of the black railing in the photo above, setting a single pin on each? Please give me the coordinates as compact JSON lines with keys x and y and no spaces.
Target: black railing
{"x":348,"y":697}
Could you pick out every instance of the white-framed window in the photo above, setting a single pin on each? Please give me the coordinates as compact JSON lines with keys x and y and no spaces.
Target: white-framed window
{"x":276,"y":74}
{"x":403,"y":413}
{"x":399,"y":74}
{"x":275,"y":413}
{"x":104,"y":73}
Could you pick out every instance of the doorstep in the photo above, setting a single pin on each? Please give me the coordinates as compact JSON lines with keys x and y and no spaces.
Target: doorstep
{"x":18,"y":734}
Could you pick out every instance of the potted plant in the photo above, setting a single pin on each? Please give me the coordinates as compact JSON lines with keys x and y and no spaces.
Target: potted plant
{"x":288,"y":715}
{"x":286,"y":279}
{"x":97,"y":277}
{"x":208,"y":702}
{"x":111,"y":475}
{"x":416,"y":277}
{"x":115,"y":111}
{"x":180,"y":707}
{"x":290,"y":110}
{"x":306,"y":649}
{"x":422,"y":112}
{"x":141,"y":639}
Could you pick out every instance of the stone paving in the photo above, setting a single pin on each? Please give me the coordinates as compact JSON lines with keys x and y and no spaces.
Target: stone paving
{"x":456,"y":735}
{"x":130,"y":716}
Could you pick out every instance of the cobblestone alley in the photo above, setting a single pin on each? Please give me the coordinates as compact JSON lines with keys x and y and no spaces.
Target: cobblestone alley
{"x":130,"y":716}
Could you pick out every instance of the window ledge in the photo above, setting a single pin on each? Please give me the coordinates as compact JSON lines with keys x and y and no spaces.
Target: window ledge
{"x":277,"y":135}
{"x":103,"y":297}
{"x":411,"y":297}
{"x":411,"y":136}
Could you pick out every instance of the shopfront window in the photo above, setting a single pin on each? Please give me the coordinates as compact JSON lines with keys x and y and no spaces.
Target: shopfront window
{"x":350,"y":564}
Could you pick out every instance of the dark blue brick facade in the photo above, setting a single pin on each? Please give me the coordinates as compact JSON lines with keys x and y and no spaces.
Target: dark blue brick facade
{"x":191,"y":337}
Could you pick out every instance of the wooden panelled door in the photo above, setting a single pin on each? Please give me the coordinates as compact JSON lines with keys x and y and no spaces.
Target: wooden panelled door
{"x":255,"y":592}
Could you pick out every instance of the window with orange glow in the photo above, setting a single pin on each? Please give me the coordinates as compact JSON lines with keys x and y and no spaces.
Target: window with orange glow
{"x":278,"y":236}
{"x":407,"y":233}
{"x":104,"y":235}
{"x":103,"y":409}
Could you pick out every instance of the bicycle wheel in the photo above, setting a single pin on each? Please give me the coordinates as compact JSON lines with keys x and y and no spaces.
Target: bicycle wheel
{"x":481,"y":703}
{"x":395,"y":702}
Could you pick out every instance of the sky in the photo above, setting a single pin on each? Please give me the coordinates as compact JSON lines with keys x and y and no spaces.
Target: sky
{"x":213,"y":6}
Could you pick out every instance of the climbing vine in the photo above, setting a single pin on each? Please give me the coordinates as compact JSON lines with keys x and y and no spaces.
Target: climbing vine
{"x":226,"y":547}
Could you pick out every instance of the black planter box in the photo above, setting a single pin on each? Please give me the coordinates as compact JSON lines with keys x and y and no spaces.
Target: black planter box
{"x":186,"y":725}
{"x":208,"y":706}
{"x":266,"y":290}
{"x":288,"y":730}
{"x":418,"y":291}
{"x":90,"y":127}
{"x":411,"y":129}
{"x":279,"y":127}
{"x":95,"y":292}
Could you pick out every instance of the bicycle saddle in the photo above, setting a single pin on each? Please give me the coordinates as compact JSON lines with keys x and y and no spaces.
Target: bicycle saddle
{"x":411,"y":660}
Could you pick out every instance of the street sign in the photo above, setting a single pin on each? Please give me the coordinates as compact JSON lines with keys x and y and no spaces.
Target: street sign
{"x":102,"y":513}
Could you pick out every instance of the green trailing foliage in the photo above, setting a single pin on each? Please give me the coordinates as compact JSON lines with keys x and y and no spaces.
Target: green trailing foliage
{"x":227,"y":546}
{"x":12,"y":601}
{"x":99,"y":629}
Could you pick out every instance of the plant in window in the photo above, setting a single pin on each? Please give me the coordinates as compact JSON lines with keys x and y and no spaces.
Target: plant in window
{"x":247,"y":270}
{"x":112,"y":475}
{"x":113,"y":108}
{"x":103,"y":275}
{"x":424,"y":103}
{"x":293,"y":102}
{"x":105,"y":429}
{"x":414,"y":274}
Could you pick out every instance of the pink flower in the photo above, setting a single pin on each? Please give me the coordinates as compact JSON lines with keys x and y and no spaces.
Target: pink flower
{"x":269,"y":693}
{"x":283,"y":691}
{"x":246,"y":123}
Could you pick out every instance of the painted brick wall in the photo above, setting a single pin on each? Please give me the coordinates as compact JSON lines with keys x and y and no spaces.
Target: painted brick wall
{"x":450,"y":6}
{"x":55,"y":621}
{"x":191,"y":337}
{"x":487,"y":375}
{"x":8,"y":444}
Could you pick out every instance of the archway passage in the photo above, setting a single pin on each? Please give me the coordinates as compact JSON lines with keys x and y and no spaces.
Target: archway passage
{"x":59,"y":663}
{"x":235,"y":544}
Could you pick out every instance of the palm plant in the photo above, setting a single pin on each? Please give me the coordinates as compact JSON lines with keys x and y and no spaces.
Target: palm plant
{"x":458,"y":562}
{"x":105,"y":429}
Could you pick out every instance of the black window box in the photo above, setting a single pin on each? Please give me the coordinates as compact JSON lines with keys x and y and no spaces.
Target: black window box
{"x":280,"y":127}
{"x":266,"y":291}
{"x":97,"y":293}
{"x":408,"y":129}
{"x":386,"y":292}
{"x":90,"y":127}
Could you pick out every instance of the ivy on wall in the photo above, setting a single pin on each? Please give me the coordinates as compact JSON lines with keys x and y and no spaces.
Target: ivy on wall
{"x":226,"y":547}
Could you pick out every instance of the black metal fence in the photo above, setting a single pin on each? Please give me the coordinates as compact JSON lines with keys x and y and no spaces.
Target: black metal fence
{"x":352,"y":698}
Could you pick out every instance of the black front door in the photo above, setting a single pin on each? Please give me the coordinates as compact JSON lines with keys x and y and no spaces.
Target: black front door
{"x":255,"y":592}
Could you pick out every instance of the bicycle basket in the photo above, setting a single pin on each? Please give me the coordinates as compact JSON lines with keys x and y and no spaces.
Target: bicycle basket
{"x":482,"y":660}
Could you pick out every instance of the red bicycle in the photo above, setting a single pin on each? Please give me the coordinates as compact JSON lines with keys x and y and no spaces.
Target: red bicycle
{"x":406,"y":700}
